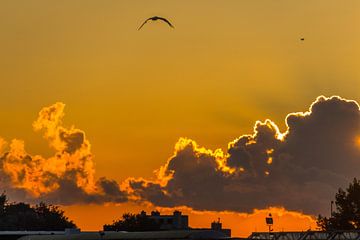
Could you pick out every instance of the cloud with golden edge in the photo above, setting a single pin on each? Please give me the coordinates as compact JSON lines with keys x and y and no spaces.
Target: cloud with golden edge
{"x":67,"y":177}
{"x":299,"y":169}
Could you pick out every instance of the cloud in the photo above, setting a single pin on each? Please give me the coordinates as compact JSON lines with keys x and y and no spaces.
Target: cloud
{"x":300,"y":169}
{"x":65,"y":178}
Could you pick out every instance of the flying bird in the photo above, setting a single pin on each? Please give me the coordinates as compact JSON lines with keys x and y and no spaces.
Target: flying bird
{"x":155,"y":18}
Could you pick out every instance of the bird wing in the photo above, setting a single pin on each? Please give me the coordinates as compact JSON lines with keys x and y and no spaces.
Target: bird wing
{"x":144,"y":23}
{"x":167,"y":21}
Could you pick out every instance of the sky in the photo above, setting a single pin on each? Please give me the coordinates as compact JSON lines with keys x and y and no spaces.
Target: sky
{"x":97,"y":104}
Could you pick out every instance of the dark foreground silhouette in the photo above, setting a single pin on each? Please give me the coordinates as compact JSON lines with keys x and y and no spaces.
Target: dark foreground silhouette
{"x":347,"y":213}
{"x":133,"y":223}
{"x":21,"y":216}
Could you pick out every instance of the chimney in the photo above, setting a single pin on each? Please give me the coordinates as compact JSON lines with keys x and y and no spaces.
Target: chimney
{"x":217,"y":226}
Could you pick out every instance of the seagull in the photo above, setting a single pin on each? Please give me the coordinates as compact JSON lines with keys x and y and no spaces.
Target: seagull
{"x":155,"y":18}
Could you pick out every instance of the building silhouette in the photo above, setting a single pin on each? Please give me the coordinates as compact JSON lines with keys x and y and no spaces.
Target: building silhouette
{"x":177,"y":221}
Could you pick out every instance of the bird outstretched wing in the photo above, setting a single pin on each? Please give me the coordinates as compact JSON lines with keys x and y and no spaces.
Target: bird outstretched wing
{"x":167,"y":21}
{"x":144,"y":23}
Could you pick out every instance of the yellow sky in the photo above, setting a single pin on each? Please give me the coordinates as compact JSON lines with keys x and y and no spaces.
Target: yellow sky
{"x":224,"y":66}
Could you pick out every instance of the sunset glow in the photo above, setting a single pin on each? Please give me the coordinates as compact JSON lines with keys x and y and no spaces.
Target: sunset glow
{"x":244,"y":108}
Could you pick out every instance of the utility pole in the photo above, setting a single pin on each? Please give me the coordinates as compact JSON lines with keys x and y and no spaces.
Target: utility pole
{"x":269,"y":221}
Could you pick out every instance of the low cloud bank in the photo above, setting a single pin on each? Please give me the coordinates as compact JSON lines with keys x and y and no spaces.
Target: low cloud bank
{"x":300,"y":169}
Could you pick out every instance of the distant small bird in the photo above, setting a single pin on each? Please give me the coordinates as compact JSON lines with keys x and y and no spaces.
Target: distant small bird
{"x":302,"y":39}
{"x":155,"y":18}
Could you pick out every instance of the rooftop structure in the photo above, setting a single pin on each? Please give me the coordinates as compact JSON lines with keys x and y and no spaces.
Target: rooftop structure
{"x":173,"y":227}
{"x":308,"y":235}
{"x":156,"y":235}
{"x":217,"y":226}
{"x":12,"y":235}
{"x":177,"y":221}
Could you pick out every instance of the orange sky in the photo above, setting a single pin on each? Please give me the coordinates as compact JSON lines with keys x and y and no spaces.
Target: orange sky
{"x":134,"y":93}
{"x":241,"y":224}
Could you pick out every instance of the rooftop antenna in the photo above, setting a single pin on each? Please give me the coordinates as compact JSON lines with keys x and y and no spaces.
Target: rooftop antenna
{"x":270,"y":222}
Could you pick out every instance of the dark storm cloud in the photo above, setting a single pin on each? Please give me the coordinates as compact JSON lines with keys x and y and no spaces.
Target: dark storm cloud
{"x":300,"y":169}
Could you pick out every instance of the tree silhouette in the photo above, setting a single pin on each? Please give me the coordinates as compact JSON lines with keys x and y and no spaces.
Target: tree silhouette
{"x":133,"y":223}
{"x":22,"y":216}
{"x":347,"y":215}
